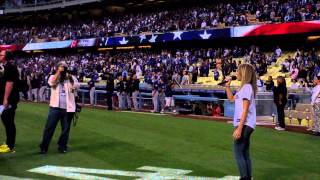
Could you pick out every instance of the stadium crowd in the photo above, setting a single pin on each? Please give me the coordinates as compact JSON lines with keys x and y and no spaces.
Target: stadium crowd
{"x":211,"y":16}
{"x":161,"y":69}
{"x":147,"y":63}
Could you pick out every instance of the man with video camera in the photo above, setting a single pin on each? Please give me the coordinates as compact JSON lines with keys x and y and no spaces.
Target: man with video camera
{"x":62,"y":107}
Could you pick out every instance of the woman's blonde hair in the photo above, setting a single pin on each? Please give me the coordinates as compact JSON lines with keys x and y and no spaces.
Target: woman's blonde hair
{"x":248,"y":75}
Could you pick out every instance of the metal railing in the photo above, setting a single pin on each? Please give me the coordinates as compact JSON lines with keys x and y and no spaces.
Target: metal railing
{"x":186,"y":103}
{"x":264,"y":106}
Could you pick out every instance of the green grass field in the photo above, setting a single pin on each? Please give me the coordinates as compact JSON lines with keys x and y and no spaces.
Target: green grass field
{"x":127,"y":141}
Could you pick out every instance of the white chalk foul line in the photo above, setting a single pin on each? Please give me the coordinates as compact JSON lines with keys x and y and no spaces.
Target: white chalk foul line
{"x":147,"y":113}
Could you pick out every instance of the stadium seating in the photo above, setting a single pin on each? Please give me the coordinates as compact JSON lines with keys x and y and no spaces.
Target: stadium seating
{"x":301,"y":114}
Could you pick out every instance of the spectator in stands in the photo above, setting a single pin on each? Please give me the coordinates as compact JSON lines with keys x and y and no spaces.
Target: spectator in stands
{"x":216,"y":74}
{"x":285,"y":66}
{"x":280,"y":99}
{"x":294,"y":85}
{"x":269,"y":84}
{"x":197,"y":109}
{"x":278,"y":51}
{"x":316,"y":70}
{"x":304,"y":85}
{"x":315,"y":101}
{"x":294,"y":72}
{"x":185,"y":78}
{"x":176,"y":78}
{"x":260,"y":83}
{"x":216,"y":110}
{"x":209,"y":109}
{"x":184,"y":18}
{"x":194,"y":74}
{"x":244,"y":117}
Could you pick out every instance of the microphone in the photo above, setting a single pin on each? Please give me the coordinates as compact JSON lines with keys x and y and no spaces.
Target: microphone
{"x":224,"y":81}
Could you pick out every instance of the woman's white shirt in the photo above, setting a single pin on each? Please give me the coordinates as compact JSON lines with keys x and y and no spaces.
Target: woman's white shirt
{"x":246,"y":92}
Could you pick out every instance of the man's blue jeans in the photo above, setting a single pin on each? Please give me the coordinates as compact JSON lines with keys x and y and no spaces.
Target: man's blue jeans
{"x":55,"y":115}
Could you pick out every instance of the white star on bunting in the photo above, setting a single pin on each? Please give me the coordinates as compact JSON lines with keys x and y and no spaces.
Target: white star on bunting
{"x":142,"y":37}
{"x":177,"y":35}
{"x":205,"y":35}
{"x":153,"y":38}
{"x":123,"y":41}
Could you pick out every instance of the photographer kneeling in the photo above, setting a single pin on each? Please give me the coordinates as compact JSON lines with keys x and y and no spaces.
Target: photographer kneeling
{"x":62,"y":107}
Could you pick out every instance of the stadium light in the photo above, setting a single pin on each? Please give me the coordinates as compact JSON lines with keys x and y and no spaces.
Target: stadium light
{"x":127,"y":47}
{"x":144,"y":47}
{"x":105,"y":49}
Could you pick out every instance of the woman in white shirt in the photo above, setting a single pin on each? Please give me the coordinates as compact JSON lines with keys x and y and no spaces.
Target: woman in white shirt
{"x":244,"y":117}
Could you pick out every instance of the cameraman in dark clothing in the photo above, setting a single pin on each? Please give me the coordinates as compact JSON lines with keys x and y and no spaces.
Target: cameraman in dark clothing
{"x":280,"y":99}
{"x":9,"y":98}
{"x":109,"y":89}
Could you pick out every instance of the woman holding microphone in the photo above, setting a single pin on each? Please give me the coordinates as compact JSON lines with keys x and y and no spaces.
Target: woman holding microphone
{"x":244,"y":117}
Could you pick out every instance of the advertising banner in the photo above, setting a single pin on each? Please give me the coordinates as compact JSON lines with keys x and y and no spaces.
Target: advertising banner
{"x":47,"y":45}
{"x":86,"y":42}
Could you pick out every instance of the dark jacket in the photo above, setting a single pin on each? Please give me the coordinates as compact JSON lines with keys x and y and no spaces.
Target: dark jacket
{"x":10,"y":74}
{"x":110,"y":85}
{"x":280,"y":95}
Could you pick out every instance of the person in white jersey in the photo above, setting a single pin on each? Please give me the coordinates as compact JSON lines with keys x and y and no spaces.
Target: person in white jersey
{"x":244,"y":120}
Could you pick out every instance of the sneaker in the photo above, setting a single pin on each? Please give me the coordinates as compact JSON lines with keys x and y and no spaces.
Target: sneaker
{"x":162,"y":112}
{"x":279,"y":128}
{"x":4,"y":145}
{"x":6,"y":149}
{"x":174,"y":111}
{"x":153,"y":111}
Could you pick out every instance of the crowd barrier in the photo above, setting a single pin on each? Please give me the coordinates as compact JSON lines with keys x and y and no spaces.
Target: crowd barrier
{"x":188,"y":98}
